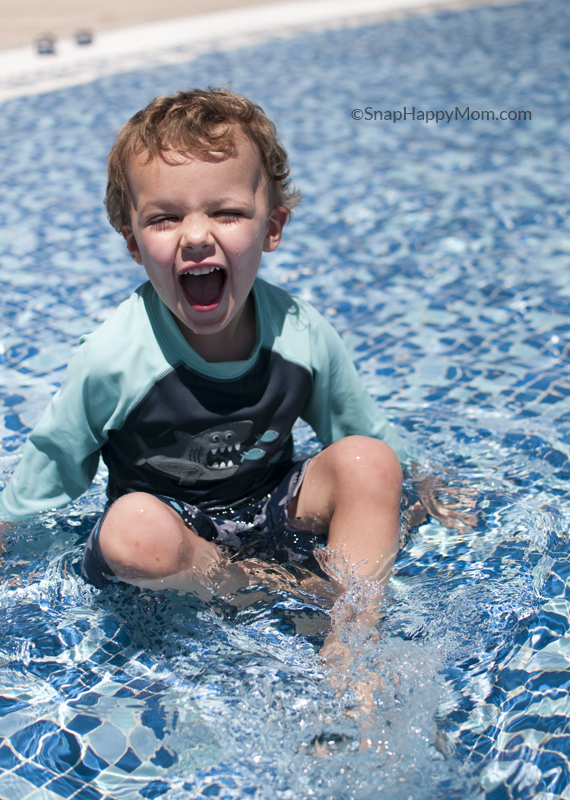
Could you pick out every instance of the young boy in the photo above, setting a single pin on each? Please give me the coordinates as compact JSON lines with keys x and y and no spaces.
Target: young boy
{"x":190,"y":391}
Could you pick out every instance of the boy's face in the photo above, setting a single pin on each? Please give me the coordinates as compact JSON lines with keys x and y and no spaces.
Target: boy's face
{"x":199,"y":228}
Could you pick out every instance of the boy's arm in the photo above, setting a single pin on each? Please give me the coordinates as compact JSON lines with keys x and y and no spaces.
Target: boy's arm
{"x":340,"y":405}
{"x":61,"y":455}
{"x":53,"y":470}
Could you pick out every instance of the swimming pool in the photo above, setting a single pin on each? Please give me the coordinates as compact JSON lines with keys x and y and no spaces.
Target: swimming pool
{"x":441,"y":252}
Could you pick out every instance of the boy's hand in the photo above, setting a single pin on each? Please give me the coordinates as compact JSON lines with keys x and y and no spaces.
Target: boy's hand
{"x":453,"y":509}
{"x":4,"y":528}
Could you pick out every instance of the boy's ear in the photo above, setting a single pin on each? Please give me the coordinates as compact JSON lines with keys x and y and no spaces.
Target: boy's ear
{"x":275,"y":225}
{"x":132,"y":245}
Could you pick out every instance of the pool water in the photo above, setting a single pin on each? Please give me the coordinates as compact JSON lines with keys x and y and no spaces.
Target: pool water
{"x":441,"y":254}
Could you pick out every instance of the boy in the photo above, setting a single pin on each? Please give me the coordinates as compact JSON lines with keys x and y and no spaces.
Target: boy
{"x":191,"y":389}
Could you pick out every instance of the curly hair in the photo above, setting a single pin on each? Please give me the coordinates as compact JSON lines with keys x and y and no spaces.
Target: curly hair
{"x":196,"y":122}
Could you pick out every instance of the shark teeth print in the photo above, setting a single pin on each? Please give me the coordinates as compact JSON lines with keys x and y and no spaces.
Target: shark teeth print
{"x":227,"y":451}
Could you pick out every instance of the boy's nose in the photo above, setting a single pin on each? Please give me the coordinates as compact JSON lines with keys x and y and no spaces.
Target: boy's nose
{"x":196,"y":234}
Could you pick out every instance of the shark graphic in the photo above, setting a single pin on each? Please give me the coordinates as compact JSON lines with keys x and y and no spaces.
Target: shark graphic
{"x":207,"y":456}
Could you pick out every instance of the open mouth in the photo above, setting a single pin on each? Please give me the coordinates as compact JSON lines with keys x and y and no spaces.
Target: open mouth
{"x":203,"y":286}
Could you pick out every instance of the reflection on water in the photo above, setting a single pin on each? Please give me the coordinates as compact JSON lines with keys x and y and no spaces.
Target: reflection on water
{"x":441,"y":254}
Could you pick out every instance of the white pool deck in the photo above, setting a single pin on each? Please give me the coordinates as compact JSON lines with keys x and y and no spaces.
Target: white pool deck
{"x":23,"y":71}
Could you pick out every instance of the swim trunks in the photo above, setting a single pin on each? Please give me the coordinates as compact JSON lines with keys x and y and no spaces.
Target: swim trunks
{"x":258,"y":529}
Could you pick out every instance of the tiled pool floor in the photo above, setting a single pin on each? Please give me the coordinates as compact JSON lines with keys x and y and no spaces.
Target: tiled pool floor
{"x":440,"y":252}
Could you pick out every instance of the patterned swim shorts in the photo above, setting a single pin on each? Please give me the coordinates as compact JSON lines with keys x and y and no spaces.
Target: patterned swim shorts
{"x":261,"y":529}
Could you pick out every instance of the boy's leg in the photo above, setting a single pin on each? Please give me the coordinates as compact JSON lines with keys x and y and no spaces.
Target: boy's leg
{"x":143,"y":540}
{"x":353,"y":490}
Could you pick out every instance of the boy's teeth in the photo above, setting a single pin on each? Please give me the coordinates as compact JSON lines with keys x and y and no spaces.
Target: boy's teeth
{"x":201,"y":270}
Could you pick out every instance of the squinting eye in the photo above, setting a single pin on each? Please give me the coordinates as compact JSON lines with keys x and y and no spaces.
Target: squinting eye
{"x":229,"y":216}
{"x":161,"y":222}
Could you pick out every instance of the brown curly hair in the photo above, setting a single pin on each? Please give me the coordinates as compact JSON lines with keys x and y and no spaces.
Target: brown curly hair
{"x":196,"y":121}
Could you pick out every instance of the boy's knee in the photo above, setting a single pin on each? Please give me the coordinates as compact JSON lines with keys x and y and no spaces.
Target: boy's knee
{"x":361,"y":458}
{"x":143,"y":537}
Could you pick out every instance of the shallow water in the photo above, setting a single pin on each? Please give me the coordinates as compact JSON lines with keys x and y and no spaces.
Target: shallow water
{"x":441,"y":254}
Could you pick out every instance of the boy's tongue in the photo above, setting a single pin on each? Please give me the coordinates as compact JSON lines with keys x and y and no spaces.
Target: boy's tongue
{"x":203,"y":290}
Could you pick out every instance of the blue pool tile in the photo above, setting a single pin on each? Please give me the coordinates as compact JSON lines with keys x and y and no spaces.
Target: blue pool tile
{"x":84,"y":774}
{"x":12,"y":723}
{"x":71,"y":636}
{"x":74,"y":683}
{"x":90,"y":766}
{"x":87,"y":699}
{"x":118,"y":635}
{"x":157,"y":686}
{"x":13,"y":787}
{"x":129,"y":762}
{"x":154,"y":789}
{"x":65,"y":786}
{"x":90,"y":793}
{"x":119,"y":660}
{"x":108,"y":741}
{"x":154,"y":717}
{"x":164,"y":758}
{"x":112,"y":647}
{"x":100,"y":656}
{"x":154,"y":688}
{"x":560,"y":745}
{"x":83,"y":723}
{"x":138,"y":685}
{"x":8,"y":759}
{"x":34,"y":774}
{"x":125,"y":692}
{"x":59,"y":751}
{"x":26,"y":740}
{"x":47,"y":670}
{"x":8,"y":705}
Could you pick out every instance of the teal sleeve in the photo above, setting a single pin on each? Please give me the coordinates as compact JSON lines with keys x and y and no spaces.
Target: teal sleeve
{"x":107,"y":373}
{"x":340,"y":405}
{"x":61,"y":456}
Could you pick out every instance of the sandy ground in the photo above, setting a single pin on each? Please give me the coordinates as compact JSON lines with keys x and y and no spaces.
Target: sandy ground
{"x":24,"y":21}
